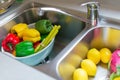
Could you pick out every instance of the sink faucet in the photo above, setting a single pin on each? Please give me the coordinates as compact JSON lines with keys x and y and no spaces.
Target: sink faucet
{"x":92,"y":12}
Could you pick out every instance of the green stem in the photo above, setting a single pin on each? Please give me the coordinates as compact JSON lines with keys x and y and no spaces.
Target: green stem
{"x":10,"y":46}
{"x":118,"y":70}
{"x":47,"y":40}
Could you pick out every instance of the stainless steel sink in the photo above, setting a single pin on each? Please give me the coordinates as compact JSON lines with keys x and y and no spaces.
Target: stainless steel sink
{"x":73,"y":40}
{"x":105,"y":35}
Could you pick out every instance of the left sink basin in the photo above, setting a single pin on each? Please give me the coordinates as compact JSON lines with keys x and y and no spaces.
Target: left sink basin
{"x":32,"y":11}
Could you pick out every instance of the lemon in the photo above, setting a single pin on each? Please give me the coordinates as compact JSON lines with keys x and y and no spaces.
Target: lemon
{"x":89,"y":66}
{"x":66,"y":71}
{"x":118,"y":78}
{"x":94,"y":55}
{"x":80,"y":74}
{"x":105,"y":55}
{"x":81,"y":49}
{"x":73,"y":59}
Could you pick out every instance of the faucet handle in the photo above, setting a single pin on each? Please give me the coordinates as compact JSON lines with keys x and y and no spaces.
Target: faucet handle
{"x":90,"y":3}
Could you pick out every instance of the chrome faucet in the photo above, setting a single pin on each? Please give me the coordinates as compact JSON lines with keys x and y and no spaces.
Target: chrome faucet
{"x":92,"y":12}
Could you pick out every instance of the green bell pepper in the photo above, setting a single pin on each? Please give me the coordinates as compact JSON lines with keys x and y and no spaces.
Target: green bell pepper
{"x":24,"y":48}
{"x":43,"y":26}
{"x":43,"y":36}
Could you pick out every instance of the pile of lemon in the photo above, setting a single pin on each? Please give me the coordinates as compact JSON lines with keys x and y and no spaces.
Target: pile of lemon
{"x":89,"y":65}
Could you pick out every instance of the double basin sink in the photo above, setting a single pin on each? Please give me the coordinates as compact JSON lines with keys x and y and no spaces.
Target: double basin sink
{"x":72,"y":42}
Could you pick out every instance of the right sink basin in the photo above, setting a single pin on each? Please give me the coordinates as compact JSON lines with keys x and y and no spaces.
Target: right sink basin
{"x":103,"y":36}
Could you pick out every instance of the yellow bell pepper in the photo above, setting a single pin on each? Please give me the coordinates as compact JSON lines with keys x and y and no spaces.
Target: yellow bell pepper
{"x":31,"y":35}
{"x":19,"y":29}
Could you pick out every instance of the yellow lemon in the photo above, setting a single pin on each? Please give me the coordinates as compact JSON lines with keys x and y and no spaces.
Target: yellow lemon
{"x":118,"y":78}
{"x":94,"y":55}
{"x":81,"y":49}
{"x":105,"y":55}
{"x":66,"y":71}
{"x":73,"y":59}
{"x":89,"y":66}
{"x":80,"y":74}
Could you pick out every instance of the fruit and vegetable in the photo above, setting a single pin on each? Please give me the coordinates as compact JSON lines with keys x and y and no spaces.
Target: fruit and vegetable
{"x":80,"y":74}
{"x":93,"y":59}
{"x":24,"y":48}
{"x":23,"y":41}
{"x":46,"y":41}
{"x":94,"y":55}
{"x":19,"y":29}
{"x":31,"y":35}
{"x":89,"y":66}
{"x":105,"y":55}
{"x":43,"y":26}
{"x":10,"y":42}
{"x":115,"y":61}
{"x":115,"y":75}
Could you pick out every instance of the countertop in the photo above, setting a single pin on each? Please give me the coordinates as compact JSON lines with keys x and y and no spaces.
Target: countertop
{"x":108,"y":8}
{"x":11,"y":69}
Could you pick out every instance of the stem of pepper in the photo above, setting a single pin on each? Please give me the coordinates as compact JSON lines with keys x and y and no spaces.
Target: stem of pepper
{"x":46,"y":41}
{"x":10,"y":46}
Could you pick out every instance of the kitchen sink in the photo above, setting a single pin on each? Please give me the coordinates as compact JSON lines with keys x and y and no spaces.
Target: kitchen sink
{"x":72,"y":42}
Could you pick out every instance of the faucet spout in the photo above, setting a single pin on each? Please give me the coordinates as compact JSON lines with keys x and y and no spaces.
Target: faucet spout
{"x":92,"y":12}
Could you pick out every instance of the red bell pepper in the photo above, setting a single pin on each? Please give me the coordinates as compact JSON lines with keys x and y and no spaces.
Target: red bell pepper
{"x":36,"y":44}
{"x":10,"y":42}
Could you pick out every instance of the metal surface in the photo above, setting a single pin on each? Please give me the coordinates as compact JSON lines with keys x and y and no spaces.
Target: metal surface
{"x":4,"y":5}
{"x":73,"y":40}
{"x":92,"y":12}
{"x":105,"y":35}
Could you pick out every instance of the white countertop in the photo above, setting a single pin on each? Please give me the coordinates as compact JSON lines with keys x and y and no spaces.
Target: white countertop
{"x":11,"y":69}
